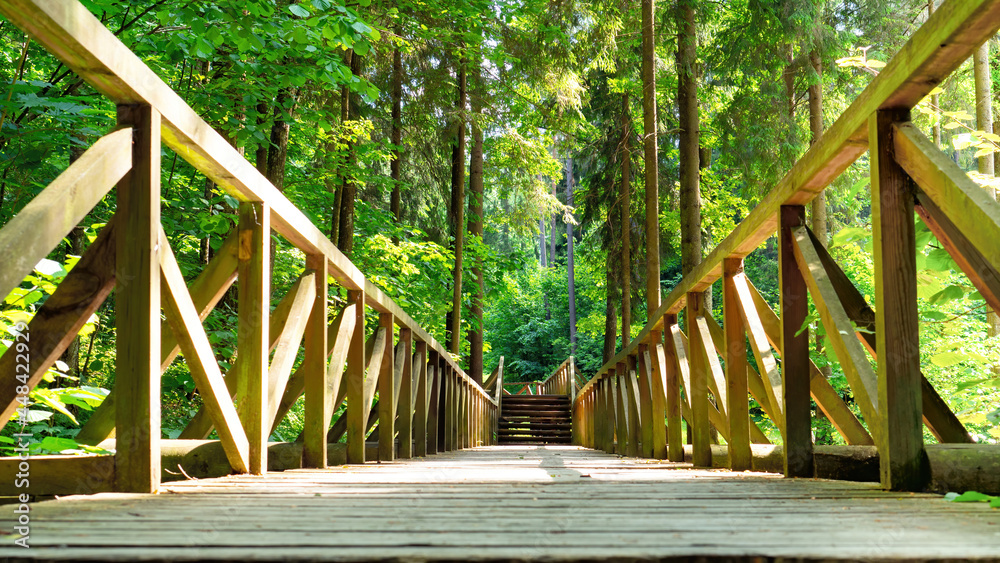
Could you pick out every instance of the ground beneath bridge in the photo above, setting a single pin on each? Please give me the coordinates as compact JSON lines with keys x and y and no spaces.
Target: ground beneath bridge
{"x":508,"y":503}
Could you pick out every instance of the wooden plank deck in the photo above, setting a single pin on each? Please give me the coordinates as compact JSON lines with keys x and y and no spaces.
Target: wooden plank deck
{"x":507,"y":503}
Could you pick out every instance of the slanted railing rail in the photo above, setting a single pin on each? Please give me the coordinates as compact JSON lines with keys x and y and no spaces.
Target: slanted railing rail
{"x":424,"y":398}
{"x":668,"y":374}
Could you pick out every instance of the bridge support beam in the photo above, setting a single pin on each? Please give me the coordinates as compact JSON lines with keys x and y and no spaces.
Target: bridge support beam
{"x":795,"y":350}
{"x":902,"y":459}
{"x":137,"y":418}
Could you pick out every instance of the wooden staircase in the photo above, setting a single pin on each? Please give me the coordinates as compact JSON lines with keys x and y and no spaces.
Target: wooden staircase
{"x":535,"y":419}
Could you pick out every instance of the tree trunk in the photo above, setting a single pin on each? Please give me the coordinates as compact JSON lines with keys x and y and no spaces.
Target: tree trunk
{"x":936,"y":98}
{"x":396,"y":135}
{"x":77,"y":238}
{"x":345,"y":228}
{"x":625,"y":202}
{"x":569,"y":260}
{"x":984,"y":121}
{"x":610,"y":321}
{"x":338,"y":196}
{"x":687,"y":104}
{"x":650,"y":156}
{"x":789,"y":77}
{"x":476,"y":226}
{"x":457,"y":215}
{"x":261,"y":153}
{"x":541,"y":243}
{"x":277,"y":154}
{"x":553,"y":230}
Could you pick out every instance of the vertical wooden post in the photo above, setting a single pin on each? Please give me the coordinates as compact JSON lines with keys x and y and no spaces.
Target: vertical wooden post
{"x":433,"y":402}
{"x":462,"y":410}
{"x":902,"y":458}
{"x":137,"y":386}
{"x":631,"y":383}
{"x":795,"y":350}
{"x":672,"y":393}
{"x":701,"y":440}
{"x":356,"y":366}
{"x":658,"y":390}
{"x":387,"y":392}
{"x":601,"y":420}
{"x":420,"y":414}
{"x":317,"y":379}
{"x":645,"y":373}
{"x":740,"y":457}
{"x":449,"y":409}
{"x":405,"y":399}
{"x":621,"y":417}
{"x":253,"y":342}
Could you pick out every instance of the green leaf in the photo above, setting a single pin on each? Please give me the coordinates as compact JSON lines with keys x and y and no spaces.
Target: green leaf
{"x":848,"y":235}
{"x":298,"y":10}
{"x":972,"y":496}
{"x":948,"y":359}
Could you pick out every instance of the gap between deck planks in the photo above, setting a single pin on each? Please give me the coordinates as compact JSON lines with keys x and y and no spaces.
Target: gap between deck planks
{"x":507,"y":503}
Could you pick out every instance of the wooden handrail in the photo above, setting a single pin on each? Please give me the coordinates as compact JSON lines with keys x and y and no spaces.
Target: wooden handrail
{"x":939,"y":47}
{"x":69,"y":31}
{"x":416,"y":378}
{"x":625,"y":404}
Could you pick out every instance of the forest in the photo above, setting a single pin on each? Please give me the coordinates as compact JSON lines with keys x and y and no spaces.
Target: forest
{"x":524,"y":178}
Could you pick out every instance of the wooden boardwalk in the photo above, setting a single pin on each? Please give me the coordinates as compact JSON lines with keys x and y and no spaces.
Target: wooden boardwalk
{"x":508,"y":503}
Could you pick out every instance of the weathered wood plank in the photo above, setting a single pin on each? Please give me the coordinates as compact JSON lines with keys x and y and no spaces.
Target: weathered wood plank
{"x":936,"y":413}
{"x":137,"y":308}
{"x":795,"y":348}
{"x":839,"y":330}
{"x":57,"y":475}
{"x":669,"y":366}
{"x":41,"y":225}
{"x":698,"y":385}
{"x":316,"y":375}
{"x":357,"y":410}
{"x":253,"y":338}
{"x":826,"y":397}
{"x":902,"y":459}
{"x":740,"y":457}
{"x":194,"y":344}
{"x":286,"y":345}
{"x":644,"y":388}
{"x":755,"y":384}
{"x":406,"y":391}
{"x":630,"y":383}
{"x":766,"y":363}
{"x":433,"y":403}
{"x":386,"y":385}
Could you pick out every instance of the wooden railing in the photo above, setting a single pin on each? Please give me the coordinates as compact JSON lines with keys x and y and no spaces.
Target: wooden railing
{"x":562,"y":381}
{"x":424,"y":397}
{"x":623,"y":408}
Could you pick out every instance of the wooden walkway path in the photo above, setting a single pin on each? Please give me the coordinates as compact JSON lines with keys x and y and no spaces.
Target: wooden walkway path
{"x":508,"y":503}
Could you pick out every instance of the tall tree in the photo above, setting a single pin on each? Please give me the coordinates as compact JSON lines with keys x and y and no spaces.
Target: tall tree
{"x":476,"y":192}
{"x":396,"y":134}
{"x":687,"y":105}
{"x":457,"y":210}
{"x":651,"y":156}
{"x":625,"y":204}
{"x":345,"y":226}
{"x":984,"y":121}
{"x":571,"y":282}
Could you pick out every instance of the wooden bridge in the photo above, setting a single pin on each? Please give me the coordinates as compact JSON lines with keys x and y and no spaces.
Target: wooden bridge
{"x":476,"y":500}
